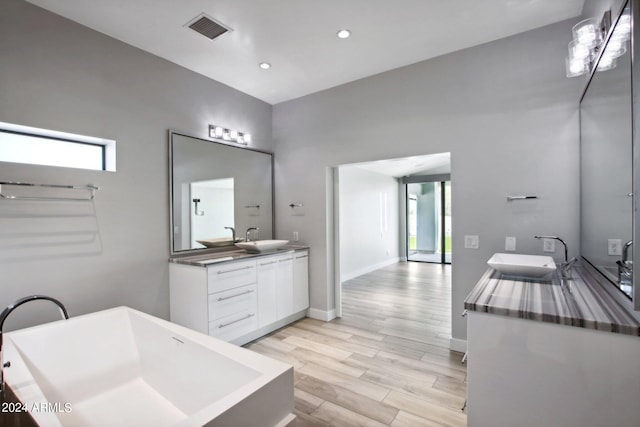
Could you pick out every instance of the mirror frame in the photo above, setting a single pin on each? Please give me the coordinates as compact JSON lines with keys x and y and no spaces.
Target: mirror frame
{"x":635,"y":141}
{"x":193,"y":251}
{"x":610,"y":287}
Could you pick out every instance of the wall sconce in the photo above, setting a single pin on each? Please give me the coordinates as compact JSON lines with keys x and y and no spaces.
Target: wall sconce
{"x":229,"y":135}
{"x":589,"y":37}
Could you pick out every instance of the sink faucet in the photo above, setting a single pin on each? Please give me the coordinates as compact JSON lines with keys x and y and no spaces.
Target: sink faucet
{"x":3,"y":316}
{"x":248,"y":237}
{"x":625,"y":251}
{"x":233,"y":233}
{"x":566,"y":256}
{"x":625,"y":268}
{"x":567,"y":265}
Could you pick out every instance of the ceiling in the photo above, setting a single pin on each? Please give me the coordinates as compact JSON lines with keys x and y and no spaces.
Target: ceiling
{"x":406,"y":166}
{"x":298,"y":37}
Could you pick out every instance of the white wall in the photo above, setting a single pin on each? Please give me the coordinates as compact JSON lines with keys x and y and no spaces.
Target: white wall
{"x":505,"y":111}
{"x":59,"y":75}
{"x":369,"y":221}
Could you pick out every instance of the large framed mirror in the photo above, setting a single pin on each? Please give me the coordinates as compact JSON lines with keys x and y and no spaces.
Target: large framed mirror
{"x":606,"y":161}
{"x":217,"y":192}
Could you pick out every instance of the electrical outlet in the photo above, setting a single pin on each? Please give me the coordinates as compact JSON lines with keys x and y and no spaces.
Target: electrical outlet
{"x":548,"y":245}
{"x":471,"y":242}
{"x":510,"y":244}
{"x":295,"y":236}
{"x":614,"y":247}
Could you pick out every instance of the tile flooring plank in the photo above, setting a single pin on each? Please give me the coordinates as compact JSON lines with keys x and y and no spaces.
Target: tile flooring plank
{"x":336,"y":415}
{"x":385,"y":362}
{"x":443,"y":416}
{"x":371,"y":390}
{"x":349,"y":400}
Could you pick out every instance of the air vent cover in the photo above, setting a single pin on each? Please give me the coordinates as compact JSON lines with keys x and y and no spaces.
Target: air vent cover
{"x":207,"y":27}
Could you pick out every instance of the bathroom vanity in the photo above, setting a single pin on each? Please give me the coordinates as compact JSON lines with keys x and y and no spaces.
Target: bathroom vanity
{"x":237,"y":296}
{"x":541,"y":355}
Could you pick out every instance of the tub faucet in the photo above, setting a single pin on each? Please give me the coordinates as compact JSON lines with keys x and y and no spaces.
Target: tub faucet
{"x":3,"y":316}
{"x":233,"y":233}
{"x":248,"y":236}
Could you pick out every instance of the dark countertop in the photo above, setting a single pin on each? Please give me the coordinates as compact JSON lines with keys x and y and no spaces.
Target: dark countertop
{"x":217,"y":257}
{"x":588,"y":305}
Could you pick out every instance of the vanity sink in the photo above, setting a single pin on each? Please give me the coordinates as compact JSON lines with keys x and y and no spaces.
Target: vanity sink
{"x":258,"y":246}
{"x":534,"y":266}
{"x":219,"y":242}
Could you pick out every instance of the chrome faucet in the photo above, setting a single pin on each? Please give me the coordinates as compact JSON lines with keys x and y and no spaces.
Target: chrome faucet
{"x":625,"y":251}
{"x":248,"y":236}
{"x":625,"y":267}
{"x":3,"y":316}
{"x":567,"y":265}
{"x":566,"y":256}
{"x":233,"y":233}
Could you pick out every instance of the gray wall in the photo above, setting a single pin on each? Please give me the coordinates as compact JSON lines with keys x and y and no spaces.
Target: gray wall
{"x":58,"y":75}
{"x":505,"y":111}
{"x":364,"y":244}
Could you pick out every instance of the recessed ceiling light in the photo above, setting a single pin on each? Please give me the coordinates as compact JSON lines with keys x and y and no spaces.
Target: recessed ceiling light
{"x":265,"y":65}
{"x":343,"y":34}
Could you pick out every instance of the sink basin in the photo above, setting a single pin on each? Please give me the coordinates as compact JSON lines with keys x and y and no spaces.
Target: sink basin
{"x":535,"y":266}
{"x":258,"y":246}
{"x":216,"y":243}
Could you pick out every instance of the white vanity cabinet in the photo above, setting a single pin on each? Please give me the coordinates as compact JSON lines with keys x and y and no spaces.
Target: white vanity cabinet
{"x":283,"y":286}
{"x":300,"y":281}
{"x":240,"y":300}
{"x":219,"y":300}
{"x":530,"y":374}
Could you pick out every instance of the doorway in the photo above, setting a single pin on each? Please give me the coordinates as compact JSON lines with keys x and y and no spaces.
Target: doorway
{"x":429,"y":221}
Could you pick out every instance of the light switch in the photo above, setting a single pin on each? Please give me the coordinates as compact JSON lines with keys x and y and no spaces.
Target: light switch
{"x":471,"y":242}
{"x":614,"y":247}
{"x":548,"y":245}
{"x":510,"y":243}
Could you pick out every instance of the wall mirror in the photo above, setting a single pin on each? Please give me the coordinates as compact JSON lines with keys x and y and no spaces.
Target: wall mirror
{"x":215,"y":187}
{"x":606,"y":165}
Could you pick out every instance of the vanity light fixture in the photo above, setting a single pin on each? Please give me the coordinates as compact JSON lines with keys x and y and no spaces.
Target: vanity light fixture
{"x":589,"y":38}
{"x":229,"y":135}
{"x":343,"y":34}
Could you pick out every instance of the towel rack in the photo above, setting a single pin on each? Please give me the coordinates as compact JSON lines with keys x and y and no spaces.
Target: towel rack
{"x":512,"y":198}
{"x":91,"y":189}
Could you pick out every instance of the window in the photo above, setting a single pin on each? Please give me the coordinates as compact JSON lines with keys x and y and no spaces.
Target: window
{"x":22,"y":144}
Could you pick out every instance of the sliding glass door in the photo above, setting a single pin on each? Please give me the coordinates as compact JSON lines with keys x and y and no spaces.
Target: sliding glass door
{"x":429,"y":222}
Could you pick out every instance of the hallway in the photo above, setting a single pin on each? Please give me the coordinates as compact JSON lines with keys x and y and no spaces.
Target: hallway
{"x":386,"y":361}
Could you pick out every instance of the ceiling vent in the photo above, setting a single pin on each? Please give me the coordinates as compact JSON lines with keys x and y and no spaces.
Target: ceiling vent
{"x":207,"y":27}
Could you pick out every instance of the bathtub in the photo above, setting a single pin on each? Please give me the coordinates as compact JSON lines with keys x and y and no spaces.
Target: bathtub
{"x":122,"y":367}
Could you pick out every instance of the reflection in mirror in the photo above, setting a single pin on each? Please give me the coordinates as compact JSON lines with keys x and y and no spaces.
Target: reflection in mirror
{"x":606,"y":169}
{"x":218,"y":191}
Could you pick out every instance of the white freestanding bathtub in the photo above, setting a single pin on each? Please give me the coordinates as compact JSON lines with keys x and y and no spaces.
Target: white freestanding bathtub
{"x":121,"y":367}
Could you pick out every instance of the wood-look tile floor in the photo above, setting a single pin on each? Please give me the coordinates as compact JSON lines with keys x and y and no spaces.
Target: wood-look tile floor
{"x":386,"y":362}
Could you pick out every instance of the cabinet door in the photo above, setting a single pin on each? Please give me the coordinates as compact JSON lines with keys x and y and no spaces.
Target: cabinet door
{"x":284,"y":277}
{"x":300,"y":281}
{"x":267,"y":290}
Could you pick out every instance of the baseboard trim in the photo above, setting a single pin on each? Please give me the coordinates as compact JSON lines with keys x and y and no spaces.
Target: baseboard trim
{"x":323,"y":315}
{"x":456,"y":344}
{"x":368,"y":269}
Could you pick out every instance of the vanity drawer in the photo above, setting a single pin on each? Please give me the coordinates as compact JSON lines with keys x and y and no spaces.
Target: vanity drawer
{"x":232,"y":275}
{"x":226,"y":303}
{"x":231,"y":327}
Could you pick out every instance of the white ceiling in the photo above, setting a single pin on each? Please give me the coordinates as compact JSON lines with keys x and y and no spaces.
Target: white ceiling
{"x":428,"y":165}
{"x":298,"y":37}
